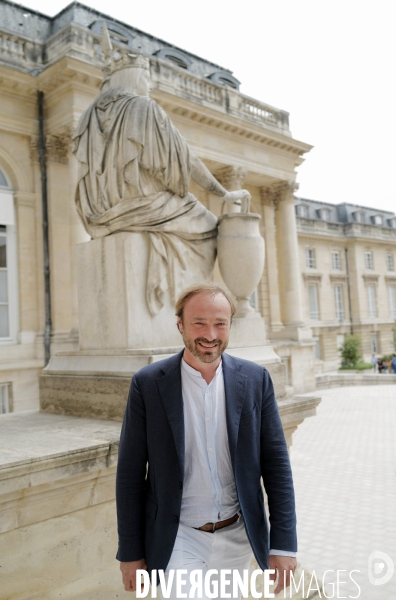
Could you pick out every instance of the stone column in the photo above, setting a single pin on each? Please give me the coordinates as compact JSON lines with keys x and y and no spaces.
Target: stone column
{"x":267,"y":198}
{"x":231,"y":178}
{"x":289,"y":269}
{"x":65,"y":233}
{"x":77,"y":236}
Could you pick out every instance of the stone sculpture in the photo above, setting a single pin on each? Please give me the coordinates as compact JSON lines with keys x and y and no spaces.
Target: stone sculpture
{"x":134,"y":175}
{"x":241,"y":253}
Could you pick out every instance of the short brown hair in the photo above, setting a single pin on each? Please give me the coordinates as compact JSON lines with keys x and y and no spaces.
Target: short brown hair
{"x":206,"y":286}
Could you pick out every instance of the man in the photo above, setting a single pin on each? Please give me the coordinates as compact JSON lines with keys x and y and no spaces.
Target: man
{"x":208,"y":427}
{"x":374,"y":362}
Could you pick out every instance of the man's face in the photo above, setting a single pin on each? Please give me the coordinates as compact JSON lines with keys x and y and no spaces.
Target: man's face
{"x":205,"y":326}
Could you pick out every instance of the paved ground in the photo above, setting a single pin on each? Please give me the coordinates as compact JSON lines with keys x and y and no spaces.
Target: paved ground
{"x":344,"y":466}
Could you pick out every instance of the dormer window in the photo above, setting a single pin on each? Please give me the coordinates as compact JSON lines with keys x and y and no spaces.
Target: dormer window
{"x":118,"y":34}
{"x":225,"y":78}
{"x":325,"y":214}
{"x":359,"y":216}
{"x":377,"y":219}
{"x":175,"y":56}
{"x":392,"y":222}
{"x":302,"y":210}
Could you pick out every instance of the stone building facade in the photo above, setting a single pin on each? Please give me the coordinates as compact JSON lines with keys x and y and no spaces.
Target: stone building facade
{"x":347,"y":261}
{"x":243,"y":141}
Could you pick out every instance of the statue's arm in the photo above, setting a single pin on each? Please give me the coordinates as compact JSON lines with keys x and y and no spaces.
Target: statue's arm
{"x":201,"y":175}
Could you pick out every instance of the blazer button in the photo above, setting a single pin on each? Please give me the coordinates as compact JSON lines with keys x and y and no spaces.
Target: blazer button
{"x":180,"y":485}
{"x":176,"y":518}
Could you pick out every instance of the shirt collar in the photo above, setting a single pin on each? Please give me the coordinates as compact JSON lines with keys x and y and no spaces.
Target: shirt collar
{"x":195,"y":373}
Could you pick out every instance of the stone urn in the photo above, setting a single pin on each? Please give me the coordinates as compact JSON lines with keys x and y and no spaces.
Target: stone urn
{"x":241,"y":252}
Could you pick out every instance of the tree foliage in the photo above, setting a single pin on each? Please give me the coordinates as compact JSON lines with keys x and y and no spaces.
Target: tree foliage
{"x":350,"y":350}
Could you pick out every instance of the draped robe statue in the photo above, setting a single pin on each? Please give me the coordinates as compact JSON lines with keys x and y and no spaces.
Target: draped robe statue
{"x":134,"y":175}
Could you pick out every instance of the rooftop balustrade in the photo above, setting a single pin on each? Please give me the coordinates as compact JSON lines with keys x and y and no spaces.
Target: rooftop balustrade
{"x":80,"y":42}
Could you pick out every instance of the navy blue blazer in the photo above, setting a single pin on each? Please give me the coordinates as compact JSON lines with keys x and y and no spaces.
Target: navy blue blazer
{"x":152,"y":438}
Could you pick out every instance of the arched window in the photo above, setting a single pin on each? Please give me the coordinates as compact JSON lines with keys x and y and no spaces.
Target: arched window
{"x":376,"y":219}
{"x":8,"y":264}
{"x":225,"y":78}
{"x":118,"y":34}
{"x":174,"y":56}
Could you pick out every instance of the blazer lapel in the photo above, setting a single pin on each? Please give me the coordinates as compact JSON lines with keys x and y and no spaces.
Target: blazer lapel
{"x":235,"y":385}
{"x":170,"y":389}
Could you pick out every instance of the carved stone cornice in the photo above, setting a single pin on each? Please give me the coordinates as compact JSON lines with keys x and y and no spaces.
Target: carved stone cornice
{"x":312,"y":277}
{"x":72,"y":71}
{"x":370,"y":277}
{"x":231,"y":178}
{"x":338,"y":277}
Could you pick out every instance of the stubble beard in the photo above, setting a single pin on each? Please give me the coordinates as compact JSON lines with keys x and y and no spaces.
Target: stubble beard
{"x":203,"y":356}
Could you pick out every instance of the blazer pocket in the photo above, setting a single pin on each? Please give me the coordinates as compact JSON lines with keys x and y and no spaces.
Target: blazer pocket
{"x":248,"y":416}
{"x":151,"y":508}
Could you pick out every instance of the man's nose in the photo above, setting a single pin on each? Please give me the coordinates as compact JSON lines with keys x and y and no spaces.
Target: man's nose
{"x":210,"y":333}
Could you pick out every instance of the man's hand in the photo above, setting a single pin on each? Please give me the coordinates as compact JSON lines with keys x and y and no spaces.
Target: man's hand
{"x":283,"y":565}
{"x":128,"y":570}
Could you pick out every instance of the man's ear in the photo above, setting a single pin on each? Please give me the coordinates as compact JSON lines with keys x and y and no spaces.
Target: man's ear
{"x":179,"y":325}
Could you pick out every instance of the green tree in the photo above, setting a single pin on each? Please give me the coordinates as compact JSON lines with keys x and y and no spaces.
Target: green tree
{"x":350,"y":350}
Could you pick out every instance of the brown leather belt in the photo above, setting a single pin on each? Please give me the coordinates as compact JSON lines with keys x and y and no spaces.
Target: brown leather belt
{"x":212,"y":527}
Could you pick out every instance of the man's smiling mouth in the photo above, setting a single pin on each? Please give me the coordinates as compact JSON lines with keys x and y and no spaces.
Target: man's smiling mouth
{"x":207,"y":346}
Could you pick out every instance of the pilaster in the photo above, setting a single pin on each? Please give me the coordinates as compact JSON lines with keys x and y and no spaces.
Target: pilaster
{"x":267,"y":199}
{"x":287,"y":243}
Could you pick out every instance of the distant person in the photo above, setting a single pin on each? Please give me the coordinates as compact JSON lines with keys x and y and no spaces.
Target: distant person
{"x":374,"y":362}
{"x":394,"y":364}
{"x":381,"y":366}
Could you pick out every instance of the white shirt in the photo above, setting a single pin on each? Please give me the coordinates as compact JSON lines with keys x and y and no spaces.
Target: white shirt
{"x":209,"y":490}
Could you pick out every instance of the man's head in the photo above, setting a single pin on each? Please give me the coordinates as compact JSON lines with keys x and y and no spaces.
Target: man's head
{"x":205,"y":314}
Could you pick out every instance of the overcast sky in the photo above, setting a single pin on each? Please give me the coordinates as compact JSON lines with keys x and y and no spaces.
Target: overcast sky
{"x":331,"y":64}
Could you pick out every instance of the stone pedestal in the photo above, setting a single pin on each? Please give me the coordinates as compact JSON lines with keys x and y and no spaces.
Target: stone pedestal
{"x":118,"y":335}
{"x":112,"y":306}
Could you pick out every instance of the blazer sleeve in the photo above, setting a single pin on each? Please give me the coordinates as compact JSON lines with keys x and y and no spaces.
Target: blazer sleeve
{"x":276,"y":473}
{"x":131,"y":478}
